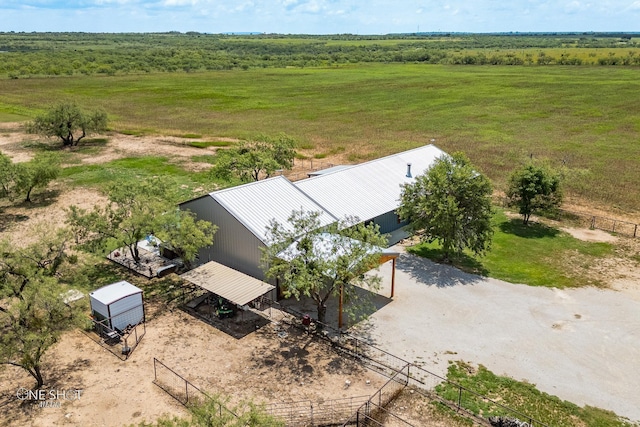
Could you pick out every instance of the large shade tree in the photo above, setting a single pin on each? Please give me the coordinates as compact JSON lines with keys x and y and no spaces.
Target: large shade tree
{"x":33,"y":314}
{"x":534,"y":188}
{"x":68,"y":122}
{"x":319,"y":262}
{"x":450,"y":204}
{"x":135,"y":210}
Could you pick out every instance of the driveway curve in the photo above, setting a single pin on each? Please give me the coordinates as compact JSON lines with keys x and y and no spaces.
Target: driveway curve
{"x":582,"y":345}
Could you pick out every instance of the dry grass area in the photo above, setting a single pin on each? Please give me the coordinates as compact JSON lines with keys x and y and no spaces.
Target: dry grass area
{"x":278,"y":363}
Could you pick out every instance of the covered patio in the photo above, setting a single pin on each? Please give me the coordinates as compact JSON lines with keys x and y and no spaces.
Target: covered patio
{"x":231,"y":299}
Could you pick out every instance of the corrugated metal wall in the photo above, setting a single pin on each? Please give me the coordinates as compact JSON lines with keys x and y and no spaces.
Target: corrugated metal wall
{"x":233,"y":245}
{"x":98,"y":307}
{"x":388,"y":222}
{"x":126,"y":311}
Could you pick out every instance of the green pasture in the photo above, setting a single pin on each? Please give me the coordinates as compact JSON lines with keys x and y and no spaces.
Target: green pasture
{"x":534,"y":254}
{"x":186,"y":184}
{"x":585,"y":119}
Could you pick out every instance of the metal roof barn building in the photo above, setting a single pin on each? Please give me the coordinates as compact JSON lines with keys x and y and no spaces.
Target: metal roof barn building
{"x":117,"y":305}
{"x":371,"y":191}
{"x":243,"y":214}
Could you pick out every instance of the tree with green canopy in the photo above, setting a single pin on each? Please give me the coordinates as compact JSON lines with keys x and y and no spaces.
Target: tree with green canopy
{"x":33,"y":314}
{"x":318,"y":262}
{"x":184,"y":235}
{"x":135,"y":210}
{"x":8,"y":176}
{"x":533,"y":188}
{"x":450,"y":204}
{"x":70,"y":123}
{"x":253,"y":160}
{"x":129,"y":216}
{"x":37,"y":173}
{"x":25,"y":177}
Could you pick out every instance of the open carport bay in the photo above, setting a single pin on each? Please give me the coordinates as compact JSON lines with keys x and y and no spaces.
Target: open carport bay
{"x":582,"y":345}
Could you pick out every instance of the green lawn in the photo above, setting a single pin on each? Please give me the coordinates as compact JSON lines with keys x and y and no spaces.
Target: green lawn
{"x":101,"y":175}
{"x":582,"y":117}
{"x":535,"y":254}
{"x":521,"y":396}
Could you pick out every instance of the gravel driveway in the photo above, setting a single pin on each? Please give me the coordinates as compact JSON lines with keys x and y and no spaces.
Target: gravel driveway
{"x":582,"y":345}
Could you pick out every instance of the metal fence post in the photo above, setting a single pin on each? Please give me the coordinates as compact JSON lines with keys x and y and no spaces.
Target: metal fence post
{"x":459,"y":397}
{"x":155,"y":374}
{"x":186,"y":390}
{"x":635,"y":230}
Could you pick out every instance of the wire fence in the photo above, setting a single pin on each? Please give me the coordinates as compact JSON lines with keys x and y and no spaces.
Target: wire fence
{"x":426,"y":383}
{"x":186,"y":392}
{"x":373,"y":412}
{"x":594,"y":222}
{"x":307,"y":413}
{"x":120,"y":342}
{"x":624,"y":228}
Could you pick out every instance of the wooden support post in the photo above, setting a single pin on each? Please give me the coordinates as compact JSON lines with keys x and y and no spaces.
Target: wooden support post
{"x":340,"y":308}
{"x":393,"y":277}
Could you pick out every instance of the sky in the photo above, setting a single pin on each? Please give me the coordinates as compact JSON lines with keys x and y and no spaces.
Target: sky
{"x":320,"y":16}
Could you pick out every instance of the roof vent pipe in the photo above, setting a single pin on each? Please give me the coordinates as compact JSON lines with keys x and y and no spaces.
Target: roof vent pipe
{"x":408,"y":170}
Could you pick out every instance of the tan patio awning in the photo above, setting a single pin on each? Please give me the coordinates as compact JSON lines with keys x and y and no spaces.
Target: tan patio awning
{"x":228,"y":283}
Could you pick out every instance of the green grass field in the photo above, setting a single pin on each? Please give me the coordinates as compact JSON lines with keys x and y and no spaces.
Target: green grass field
{"x":521,"y":396}
{"x":536,"y":255}
{"x":584,"y":118}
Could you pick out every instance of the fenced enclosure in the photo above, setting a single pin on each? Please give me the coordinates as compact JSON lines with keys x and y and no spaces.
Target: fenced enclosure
{"x":120,"y":343}
{"x":373,"y":412}
{"x":613,"y":226}
{"x":424,"y":382}
{"x":360,"y":411}
{"x":372,"y":415}
{"x":307,"y":413}
{"x":178,"y":386}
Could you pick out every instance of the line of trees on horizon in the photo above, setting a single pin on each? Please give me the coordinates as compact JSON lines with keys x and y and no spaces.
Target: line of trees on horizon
{"x":52,"y":54}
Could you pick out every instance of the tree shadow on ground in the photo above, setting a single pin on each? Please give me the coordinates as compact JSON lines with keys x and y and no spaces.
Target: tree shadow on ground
{"x":532,"y":230}
{"x":39,"y":199}
{"x":464,"y":262}
{"x":427,"y":272}
{"x":365,"y":302}
{"x":8,"y":219}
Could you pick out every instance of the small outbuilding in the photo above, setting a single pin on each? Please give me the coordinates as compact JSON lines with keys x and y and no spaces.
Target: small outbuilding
{"x":117,"y":305}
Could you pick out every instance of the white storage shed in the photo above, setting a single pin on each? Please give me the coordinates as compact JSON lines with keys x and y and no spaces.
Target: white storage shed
{"x":117,"y":305}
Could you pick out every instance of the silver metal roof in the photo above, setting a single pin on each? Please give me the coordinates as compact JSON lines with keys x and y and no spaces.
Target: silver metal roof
{"x":115,"y":291}
{"x":257,"y":203}
{"x":330,"y":247}
{"x":369,"y":189}
{"x":329,"y":170}
{"x":228,"y":283}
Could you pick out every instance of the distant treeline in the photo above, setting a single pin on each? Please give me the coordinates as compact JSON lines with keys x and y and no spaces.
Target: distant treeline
{"x":49,"y":54}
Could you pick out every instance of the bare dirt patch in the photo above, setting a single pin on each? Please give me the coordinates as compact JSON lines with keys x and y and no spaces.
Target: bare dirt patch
{"x":266,"y":366}
{"x":18,"y":222}
{"x":588,"y":235}
{"x":420,"y":411}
